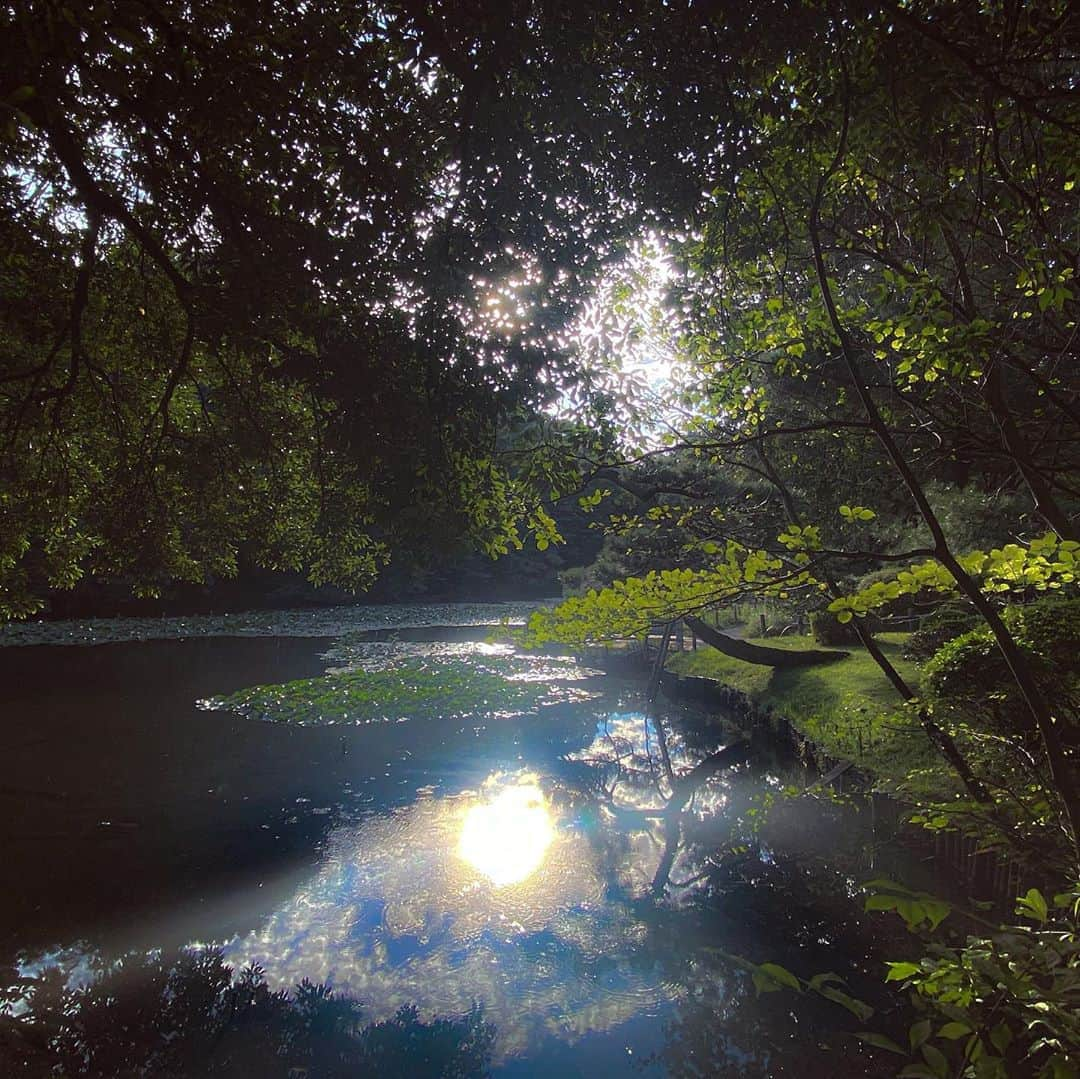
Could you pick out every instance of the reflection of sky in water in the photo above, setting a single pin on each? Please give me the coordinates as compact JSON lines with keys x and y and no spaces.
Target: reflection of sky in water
{"x":397,"y":914}
{"x":533,"y":894}
{"x":529,"y":895}
{"x":506,"y":834}
{"x":558,"y":896}
{"x":384,"y":655}
{"x":626,"y":749}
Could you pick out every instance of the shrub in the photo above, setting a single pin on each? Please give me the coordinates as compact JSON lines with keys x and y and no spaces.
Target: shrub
{"x":1001,"y":1004}
{"x":827,"y":630}
{"x":969,"y":674}
{"x":950,"y":620}
{"x":1050,"y":629}
{"x":572,"y":580}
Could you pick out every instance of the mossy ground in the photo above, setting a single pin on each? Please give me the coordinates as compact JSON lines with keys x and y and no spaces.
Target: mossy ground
{"x":848,"y":708}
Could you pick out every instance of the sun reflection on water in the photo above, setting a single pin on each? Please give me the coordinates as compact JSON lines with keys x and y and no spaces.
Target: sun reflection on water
{"x":507,"y":836}
{"x":503,"y":894}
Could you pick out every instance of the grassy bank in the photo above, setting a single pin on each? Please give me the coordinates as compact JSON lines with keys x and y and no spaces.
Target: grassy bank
{"x":848,"y":707}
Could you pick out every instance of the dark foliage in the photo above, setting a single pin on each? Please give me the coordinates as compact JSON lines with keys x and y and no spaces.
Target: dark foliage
{"x":827,"y":630}
{"x":190,"y":1014}
{"x":950,"y":620}
{"x":969,"y":675}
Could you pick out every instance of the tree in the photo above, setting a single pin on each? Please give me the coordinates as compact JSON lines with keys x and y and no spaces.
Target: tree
{"x":874,"y":309}
{"x":274,"y":279}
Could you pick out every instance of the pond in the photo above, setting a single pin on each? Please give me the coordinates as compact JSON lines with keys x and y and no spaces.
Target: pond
{"x":420,"y":818}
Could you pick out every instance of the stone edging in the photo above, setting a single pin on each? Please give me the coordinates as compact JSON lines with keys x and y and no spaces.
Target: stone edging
{"x":740,"y":709}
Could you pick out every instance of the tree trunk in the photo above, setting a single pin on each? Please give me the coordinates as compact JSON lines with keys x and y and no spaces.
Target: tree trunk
{"x":755,"y":653}
{"x":941,"y":740}
{"x":1046,"y":504}
{"x":1058,"y":763}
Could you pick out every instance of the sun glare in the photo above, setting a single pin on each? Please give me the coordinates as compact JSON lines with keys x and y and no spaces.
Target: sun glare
{"x":507,"y":837}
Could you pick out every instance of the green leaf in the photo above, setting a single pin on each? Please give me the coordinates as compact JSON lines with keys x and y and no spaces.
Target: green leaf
{"x":1033,"y":905}
{"x":989,"y":1067}
{"x":952,"y":1031}
{"x":860,"y":1009}
{"x":1001,"y":1037}
{"x":911,"y":911}
{"x":899,"y":971}
{"x":888,"y":885}
{"x":1062,"y":1069}
{"x":936,"y":911}
{"x":936,"y":1059}
{"x":880,"y":902}
{"x":781,"y":975}
{"x":919,"y":1032}
{"x":880,"y":1041}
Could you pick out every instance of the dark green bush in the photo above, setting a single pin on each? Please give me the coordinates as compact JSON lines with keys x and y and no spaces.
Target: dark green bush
{"x":950,"y":620}
{"x":969,"y":675}
{"x":1050,"y":629}
{"x":572,"y":580}
{"x":827,"y":630}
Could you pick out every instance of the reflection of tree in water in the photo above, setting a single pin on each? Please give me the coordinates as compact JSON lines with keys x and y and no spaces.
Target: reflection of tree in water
{"x":650,"y":779}
{"x":767,"y":907}
{"x":725,"y":1031}
{"x":651,"y":881}
{"x":188,"y":1014}
{"x":777,"y":891}
{"x":396,"y":914}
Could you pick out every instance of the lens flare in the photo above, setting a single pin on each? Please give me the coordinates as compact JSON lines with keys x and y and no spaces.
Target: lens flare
{"x":507,"y":837}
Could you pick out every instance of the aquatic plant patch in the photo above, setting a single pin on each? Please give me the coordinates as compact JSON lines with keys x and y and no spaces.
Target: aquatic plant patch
{"x":413,"y":689}
{"x":305,"y":622}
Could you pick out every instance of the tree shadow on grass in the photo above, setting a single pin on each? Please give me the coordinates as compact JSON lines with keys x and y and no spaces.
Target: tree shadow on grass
{"x":812,"y":692}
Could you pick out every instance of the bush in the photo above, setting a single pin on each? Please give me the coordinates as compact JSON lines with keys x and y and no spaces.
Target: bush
{"x":1050,"y":629}
{"x":949,"y":621}
{"x":902,"y":609}
{"x":1004,"y":1000}
{"x":572,"y":581}
{"x":969,"y":674}
{"x":827,"y":630}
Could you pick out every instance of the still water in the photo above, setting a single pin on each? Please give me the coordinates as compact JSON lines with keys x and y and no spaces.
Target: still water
{"x":423,"y":818}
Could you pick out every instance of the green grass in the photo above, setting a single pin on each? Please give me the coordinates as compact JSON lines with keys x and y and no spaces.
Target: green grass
{"x":848,"y":707}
